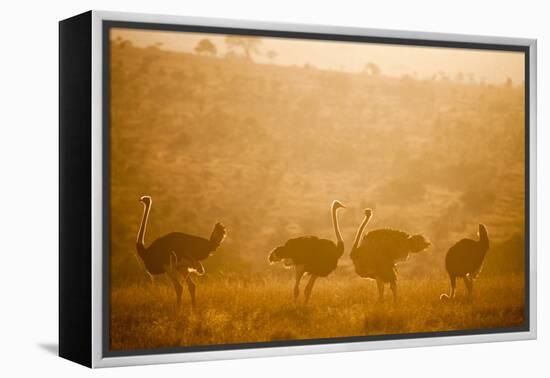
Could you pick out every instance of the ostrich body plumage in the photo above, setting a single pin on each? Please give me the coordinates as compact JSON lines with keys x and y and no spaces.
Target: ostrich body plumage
{"x":176,"y":253}
{"x":184,"y":247}
{"x":381,"y":250}
{"x":317,"y":256}
{"x":310,"y":254}
{"x":465,"y":259}
{"x":466,"y":256}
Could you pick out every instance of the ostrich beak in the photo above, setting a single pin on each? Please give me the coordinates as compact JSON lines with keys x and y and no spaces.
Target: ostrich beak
{"x":337,"y":204}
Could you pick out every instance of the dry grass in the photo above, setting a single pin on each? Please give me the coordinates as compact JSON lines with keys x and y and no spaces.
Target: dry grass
{"x":240,"y":311}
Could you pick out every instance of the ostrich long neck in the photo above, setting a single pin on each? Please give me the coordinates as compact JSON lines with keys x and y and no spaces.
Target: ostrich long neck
{"x":359,"y":233}
{"x":483,"y":238}
{"x":339,"y":239}
{"x":143,"y":226}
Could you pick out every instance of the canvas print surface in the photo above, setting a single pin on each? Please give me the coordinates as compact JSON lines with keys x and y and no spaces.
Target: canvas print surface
{"x":267,"y":189}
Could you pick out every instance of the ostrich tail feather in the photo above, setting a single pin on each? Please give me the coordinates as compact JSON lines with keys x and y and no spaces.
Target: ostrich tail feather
{"x":418,"y":243}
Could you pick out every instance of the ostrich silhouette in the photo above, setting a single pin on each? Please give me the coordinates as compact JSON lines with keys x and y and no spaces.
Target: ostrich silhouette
{"x":465,"y":259}
{"x":310,"y":254}
{"x":176,"y":254}
{"x":380,"y":251}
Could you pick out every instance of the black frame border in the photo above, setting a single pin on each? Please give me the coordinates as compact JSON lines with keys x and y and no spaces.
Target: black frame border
{"x":75,"y":189}
{"x":107,"y":25}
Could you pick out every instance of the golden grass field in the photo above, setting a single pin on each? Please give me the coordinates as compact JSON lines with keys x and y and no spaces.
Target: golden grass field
{"x":239,"y":310}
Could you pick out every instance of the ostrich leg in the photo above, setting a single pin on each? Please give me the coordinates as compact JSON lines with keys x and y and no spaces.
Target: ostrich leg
{"x":453,"y":287}
{"x":150,"y":277}
{"x":299,"y":274}
{"x":191,"y":286}
{"x":309,"y":287}
{"x":469,"y":284}
{"x":393,"y":287}
{"x":380,"y":285}
{"x":173,"y":275}
{"x":183,"y":267}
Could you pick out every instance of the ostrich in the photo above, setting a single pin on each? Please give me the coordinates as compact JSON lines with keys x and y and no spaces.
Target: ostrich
{"x":465,"y":259}
{"x":310,"y":254}
{"x":176,"y":253}
{"x":380,"y":251}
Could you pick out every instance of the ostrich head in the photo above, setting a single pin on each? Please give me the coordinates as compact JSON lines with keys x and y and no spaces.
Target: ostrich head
{"x":218,"y":234}
{"x":483,"y":236}
{"x":368,"y":213}
{"x":337,"y":205}
{"x":146,"y":200}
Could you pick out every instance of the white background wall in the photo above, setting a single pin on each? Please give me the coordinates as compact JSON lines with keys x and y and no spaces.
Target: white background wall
{"x":28,"y":186}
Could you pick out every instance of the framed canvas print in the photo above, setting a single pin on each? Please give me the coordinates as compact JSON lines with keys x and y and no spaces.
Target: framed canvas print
{"x":233,"y":189}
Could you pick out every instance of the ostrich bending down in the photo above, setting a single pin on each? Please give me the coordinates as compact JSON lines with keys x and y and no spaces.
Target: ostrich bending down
{"x":312,"y":255}
{"x":176,"y":253}
{"x":379,"y":252}
{"x":465,"y":259}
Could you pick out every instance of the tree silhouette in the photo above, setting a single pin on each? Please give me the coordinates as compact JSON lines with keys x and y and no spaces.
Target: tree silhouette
{"x":205,"y":47}
{"x":125,"y":44}
{"x":249,"y":45}
{"x":372,"y":69}
{"x":155,"y":46}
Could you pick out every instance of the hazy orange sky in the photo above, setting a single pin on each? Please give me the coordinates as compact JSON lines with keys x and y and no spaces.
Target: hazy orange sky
{"x":394,"y":60}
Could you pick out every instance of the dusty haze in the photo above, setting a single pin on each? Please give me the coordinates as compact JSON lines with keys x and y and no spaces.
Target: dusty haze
{"x":264,"y":145}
